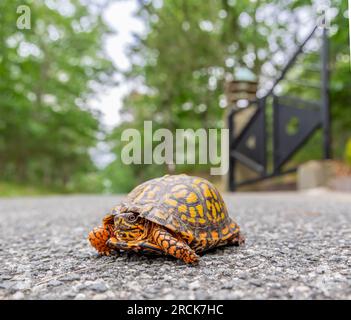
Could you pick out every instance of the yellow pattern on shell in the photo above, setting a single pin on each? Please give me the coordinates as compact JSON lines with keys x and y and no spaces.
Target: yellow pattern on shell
{"x":214,"y":194}
{"x":207,"y":192}
{"x":192,"y":198}
{"x":181,"y":194}
{"x":151,"y":195}
{"x":203,"y":235}
{"x":217,"y":206}
{"x":208,"y":205}
{"x":214,"y":213}
{"x":200,"y":210}
{"x":192,"y":212}
{"x":191,"y":220}
{"x":214,"y":235}
{"x":225,"y":230}
{"x":140,"y":196}
{"x":171,"y":202}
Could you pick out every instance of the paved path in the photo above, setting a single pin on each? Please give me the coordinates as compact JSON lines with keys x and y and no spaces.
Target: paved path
{"x":298,"y":247}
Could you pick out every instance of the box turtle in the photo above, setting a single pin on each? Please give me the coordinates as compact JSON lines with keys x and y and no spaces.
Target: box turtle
{"x":178,"y":215}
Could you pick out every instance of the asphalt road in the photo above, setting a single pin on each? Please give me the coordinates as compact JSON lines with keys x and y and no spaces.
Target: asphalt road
{"x":298,"y":247}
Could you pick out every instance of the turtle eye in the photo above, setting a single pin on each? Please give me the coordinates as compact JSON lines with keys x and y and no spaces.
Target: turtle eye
{"x":132,"y":217}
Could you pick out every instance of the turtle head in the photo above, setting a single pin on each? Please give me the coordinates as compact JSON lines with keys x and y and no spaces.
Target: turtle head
{"x":129,"y":226}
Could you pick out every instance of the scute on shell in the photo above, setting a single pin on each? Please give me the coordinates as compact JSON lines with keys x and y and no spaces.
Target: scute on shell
{"x":188,"y":205}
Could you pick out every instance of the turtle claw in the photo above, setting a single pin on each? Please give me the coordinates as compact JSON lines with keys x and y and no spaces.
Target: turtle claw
{"x":191,"y":258}
{"x":104,"y":253}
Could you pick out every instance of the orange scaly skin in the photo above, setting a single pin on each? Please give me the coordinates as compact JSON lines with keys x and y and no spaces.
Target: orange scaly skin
{"x":98,"y":238}
{"x":161,"y":242}
{"x":173,"y":215}
{"x":174,"y":247}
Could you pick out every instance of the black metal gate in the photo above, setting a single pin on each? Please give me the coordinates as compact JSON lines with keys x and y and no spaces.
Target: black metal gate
{"x":249,"y":146}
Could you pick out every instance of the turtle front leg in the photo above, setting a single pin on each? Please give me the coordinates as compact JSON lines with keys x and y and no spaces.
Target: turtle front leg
{"x":140,"y":246}
{"x":98,"y":238}
{"x":173,"y":246}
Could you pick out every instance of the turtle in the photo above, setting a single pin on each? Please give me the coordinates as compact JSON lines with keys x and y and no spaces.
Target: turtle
{"x":178,"y":215}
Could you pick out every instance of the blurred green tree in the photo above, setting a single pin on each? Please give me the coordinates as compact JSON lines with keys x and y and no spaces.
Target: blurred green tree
{"x":179,"y":67}
{"x":190,"y":48}
{"x":47,"y":73}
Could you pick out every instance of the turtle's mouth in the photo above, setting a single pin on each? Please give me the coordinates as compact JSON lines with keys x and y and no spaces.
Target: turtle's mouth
{"x":111,"y":230}
{"x":129,"y":234}
{"x":125,"y":228}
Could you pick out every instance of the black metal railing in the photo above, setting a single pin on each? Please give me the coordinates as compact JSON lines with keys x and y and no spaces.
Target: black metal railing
{"x":310,"y":116}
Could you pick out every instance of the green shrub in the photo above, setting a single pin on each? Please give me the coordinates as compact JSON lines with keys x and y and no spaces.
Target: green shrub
{"x":348,"y":152}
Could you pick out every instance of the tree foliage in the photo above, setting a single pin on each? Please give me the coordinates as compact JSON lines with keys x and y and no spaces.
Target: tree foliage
{"x":192,"y":47}
{"x":179,"y":68}
{"x":47,"y":73}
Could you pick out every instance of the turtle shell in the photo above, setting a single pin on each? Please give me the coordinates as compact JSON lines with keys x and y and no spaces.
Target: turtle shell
{"x":189,"y":206}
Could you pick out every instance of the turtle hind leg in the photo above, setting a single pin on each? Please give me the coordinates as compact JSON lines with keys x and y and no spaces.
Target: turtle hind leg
{"x":237,"y":239}
{"x":173,"y":246}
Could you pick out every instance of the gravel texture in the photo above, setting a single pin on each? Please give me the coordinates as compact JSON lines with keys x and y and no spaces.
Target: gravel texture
{"x":298,"y":247}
